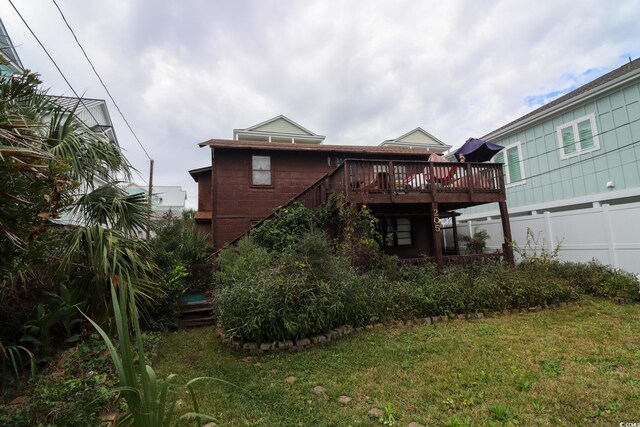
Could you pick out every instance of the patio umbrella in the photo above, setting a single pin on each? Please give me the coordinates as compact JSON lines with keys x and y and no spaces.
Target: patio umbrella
{"x":477,"y":150}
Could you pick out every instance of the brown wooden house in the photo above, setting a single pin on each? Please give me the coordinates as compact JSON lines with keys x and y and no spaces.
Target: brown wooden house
{"x":248,"y":181}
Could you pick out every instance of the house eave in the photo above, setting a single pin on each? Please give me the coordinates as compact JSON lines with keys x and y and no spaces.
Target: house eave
{"x":392,"y":142}
{"x":312,"y":137}
{"x":563,"y":106}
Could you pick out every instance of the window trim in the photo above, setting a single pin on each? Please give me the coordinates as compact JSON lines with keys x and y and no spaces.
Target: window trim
{"x":576,"y":136}
{"x":523,"y":178}
{"x":253,"y":184}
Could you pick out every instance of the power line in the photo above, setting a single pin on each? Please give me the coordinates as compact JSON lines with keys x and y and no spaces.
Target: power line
{"x":53,"y":61}
{"x":624,"y":147}
{"x":555,"y":149}
{"x":574,"y":162}
{"x":141,"y":176}
{"x":100,"y":78}
{"x":521,"y":162}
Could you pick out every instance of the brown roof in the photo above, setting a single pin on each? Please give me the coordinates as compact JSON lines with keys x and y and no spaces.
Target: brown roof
{"x":284,"y":146}
{"x":600,"y":81}
{"x":195,"y":172}
{"x":202,"y":215}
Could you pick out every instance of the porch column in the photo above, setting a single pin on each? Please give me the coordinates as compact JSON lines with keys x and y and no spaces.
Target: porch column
{"x":437,"y":237}
{"x":456,"y":245}
{"x":507,"y":249}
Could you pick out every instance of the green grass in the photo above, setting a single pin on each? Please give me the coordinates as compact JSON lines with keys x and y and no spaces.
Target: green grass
{"x":578,"y":365}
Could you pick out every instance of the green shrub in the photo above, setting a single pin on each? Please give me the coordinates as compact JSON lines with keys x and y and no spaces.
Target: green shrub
{"x":302,"y":288}
{"x":595,"y":279}
{"x":164,"y":314}
{"x":70,"y":402}
{"x":291,"y":222}
{"x":477,"y":243}
{"x":59,"y":402}
{"x":266,"y":298}
{"x":73,"y":390}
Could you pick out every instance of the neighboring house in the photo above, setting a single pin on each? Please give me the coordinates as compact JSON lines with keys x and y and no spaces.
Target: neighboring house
{"x":278,"y":129}
{"x":92,"y":113}
{"x":417,"y":139}
{"x":249,"y":180}
{"x":572,"y":170}
{"x":165,"y":199}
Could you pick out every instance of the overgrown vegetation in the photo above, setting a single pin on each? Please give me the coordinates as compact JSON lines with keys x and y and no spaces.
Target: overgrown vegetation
{"x":149,"y":401}
{"x":53,"y":167}
{"x":305,"y":285}
{"x":68,"y":234}
{"x":182,"y":254}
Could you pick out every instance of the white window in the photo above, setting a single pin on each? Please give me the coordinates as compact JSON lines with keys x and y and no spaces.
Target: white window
{"x":261,"y":170}
{"x":398,"y":232}
{"x":578,"y":137}
{"x":511,"y":157}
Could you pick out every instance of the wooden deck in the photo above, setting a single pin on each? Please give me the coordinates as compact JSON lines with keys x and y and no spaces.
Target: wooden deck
{"x":388,"y":181}
{"x":439,"y":187}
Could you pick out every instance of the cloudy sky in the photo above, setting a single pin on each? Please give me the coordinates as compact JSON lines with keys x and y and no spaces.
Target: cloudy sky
{"x":358,"y":71}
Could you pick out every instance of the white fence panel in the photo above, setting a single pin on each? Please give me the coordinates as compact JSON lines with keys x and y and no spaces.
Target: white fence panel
{"x":609,"y":234}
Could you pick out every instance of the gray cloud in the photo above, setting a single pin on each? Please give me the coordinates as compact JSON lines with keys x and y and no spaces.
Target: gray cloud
{"x":359,"y":71}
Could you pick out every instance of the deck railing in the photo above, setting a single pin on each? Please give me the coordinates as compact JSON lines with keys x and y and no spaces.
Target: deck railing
{"x":406,"y":177}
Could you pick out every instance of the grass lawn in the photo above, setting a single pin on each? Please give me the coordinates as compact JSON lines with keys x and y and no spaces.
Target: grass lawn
{"x":578,"y":365}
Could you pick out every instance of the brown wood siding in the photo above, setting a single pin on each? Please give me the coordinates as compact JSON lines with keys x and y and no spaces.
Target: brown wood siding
{"x":204,"y":190}
{"x":237,"y":202}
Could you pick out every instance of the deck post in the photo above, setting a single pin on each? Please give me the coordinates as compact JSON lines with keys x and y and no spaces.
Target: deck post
{"x":437,"y":236}
{"x":347,"y":180}
{"x":456,"y":245}
{"x":392,"y":182}
{"x":507,"y":248}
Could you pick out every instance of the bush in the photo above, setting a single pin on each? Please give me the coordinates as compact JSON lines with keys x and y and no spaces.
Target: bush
{"x":598,"y":280}
{"x":76,"y":387}
{"x":164,"y":314}
{"x":60,"y":402}
{"x":72,"y":392}
{"x":286,"y":282}
{"x":476,"y":244}
{"x":293,"y":221}
{"x":267,"y":298}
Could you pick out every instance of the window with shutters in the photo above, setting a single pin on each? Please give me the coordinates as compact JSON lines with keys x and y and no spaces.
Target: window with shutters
{"x":513,"y":164}
{"x":578,"y":137}
{"x":261,"y":170}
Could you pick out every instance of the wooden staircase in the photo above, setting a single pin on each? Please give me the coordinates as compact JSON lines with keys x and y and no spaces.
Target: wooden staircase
{"x":312,"y":197}
{"x":195,"y":312}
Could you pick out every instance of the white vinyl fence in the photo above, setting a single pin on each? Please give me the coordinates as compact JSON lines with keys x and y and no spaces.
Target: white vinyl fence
{"x":609,"y":234}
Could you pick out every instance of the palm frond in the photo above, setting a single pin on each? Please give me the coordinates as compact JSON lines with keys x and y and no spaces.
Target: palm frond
{"x":111,"y":206}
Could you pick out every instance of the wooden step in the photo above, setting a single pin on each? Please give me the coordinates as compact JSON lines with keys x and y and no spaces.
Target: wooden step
{"x":200,"y":321}
{"x":199,"y":309}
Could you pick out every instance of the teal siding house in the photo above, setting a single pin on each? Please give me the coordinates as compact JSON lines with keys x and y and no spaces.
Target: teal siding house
{"x":572,"y":169}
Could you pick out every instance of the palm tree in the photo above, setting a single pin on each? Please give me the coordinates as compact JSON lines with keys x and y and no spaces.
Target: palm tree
{"x":50,"y":163}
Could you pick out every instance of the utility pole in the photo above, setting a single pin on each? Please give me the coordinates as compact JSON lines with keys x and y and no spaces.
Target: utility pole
{"x":150,"y":197}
